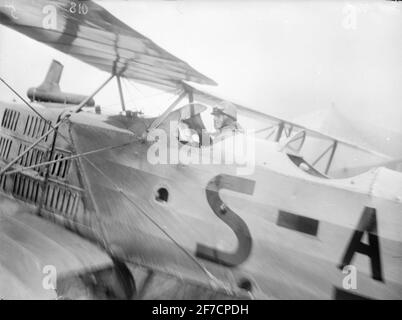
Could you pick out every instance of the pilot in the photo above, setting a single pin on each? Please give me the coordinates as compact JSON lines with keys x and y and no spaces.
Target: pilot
{"x":225,"y":120}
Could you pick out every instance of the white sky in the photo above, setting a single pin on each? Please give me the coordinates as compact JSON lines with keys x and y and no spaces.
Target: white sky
{"x":285,"y":58}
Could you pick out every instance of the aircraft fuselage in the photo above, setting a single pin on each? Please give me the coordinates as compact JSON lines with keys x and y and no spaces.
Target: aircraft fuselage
{"x":273,"y":230}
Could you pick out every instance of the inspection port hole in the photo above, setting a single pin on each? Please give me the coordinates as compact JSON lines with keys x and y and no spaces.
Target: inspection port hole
{"x":245,"y":284}
{"x":162,"y":195}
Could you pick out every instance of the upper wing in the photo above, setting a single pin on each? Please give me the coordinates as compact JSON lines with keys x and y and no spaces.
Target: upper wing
{"x":316,"y":147}
{"x":31,"y":246}
{"x":275,"y":121}
{"x":96,"y":37}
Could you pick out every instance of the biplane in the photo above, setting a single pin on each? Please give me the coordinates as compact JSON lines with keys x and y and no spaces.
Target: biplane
{"x":85,"y":213}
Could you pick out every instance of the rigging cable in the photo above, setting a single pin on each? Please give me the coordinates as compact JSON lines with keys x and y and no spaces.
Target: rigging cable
{"x":214,"y":282}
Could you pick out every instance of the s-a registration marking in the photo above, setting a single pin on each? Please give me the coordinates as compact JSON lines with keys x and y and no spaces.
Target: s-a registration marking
{"x":367,"y":223}
{"x":230,"y":218}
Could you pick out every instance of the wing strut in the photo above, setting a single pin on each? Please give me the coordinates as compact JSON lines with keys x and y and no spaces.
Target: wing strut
{"x":335,"y":144}
{"x":84,"y":102}
{"x":163,"y":116}
{"x":279,"y":132}
{"x":123,"y":105}
{"x":332,"y":147}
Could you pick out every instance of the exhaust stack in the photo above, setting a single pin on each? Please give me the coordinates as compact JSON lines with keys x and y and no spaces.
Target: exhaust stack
{"x":49,"y":90}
